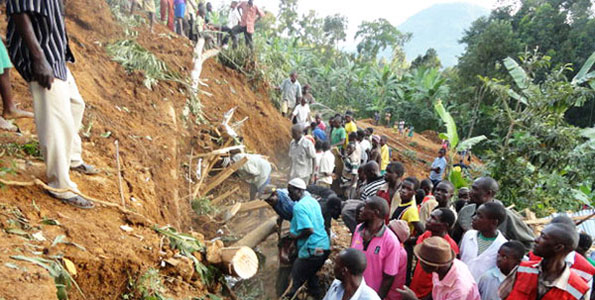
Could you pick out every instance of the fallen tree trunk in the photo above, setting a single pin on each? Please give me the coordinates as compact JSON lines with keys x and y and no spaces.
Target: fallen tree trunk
{"x":259,"y":234}
{"x":240,"y":261}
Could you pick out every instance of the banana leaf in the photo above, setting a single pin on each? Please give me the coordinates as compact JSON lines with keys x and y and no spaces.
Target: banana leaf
{"x":451,"y":127}
{"x":518,"y":74}
{"x":470,"y":142}
{"x":582,"y":75}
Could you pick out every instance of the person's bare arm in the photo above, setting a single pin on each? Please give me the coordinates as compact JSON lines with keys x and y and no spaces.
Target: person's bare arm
{"x":387,"y":282}
{"x":304,"y":233}
{"x":42,"y":71}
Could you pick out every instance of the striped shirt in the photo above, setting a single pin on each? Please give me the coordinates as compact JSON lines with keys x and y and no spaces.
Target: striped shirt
{"x":47,"y":20}
{"x":372,"y":188}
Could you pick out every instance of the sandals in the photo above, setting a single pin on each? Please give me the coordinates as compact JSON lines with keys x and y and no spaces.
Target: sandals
{"x":86,"y":169}
{"x":79,"y":202}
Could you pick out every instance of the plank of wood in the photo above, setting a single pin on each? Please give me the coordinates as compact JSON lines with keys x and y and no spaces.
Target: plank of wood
{"x":219,"y":178}
{"x":547,"y":220}
{"x":224,"y":196}
{"x":219,"y":151}
{"x":207,"y":166}
{"x":252,"y":205}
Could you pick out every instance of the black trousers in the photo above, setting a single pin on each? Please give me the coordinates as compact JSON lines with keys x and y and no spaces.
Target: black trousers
{"x":305,"y":269}
{"x":247,"y":36}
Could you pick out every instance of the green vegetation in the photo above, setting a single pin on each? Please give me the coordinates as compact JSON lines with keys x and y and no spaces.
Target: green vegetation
{"x":134,"y":57}
{"x":535,"y":147}
{"x":148,"y":286}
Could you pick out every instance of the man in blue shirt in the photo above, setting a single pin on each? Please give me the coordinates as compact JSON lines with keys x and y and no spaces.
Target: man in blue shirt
{"x":438,"y":167}
{"x":318,"y":133}
{"x":313,"y":244}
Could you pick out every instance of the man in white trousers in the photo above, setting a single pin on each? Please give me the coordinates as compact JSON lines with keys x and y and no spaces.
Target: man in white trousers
{"x":38,"y":46}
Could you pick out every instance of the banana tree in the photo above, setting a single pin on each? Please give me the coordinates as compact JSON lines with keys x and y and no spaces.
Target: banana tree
{"x":455,"y":175}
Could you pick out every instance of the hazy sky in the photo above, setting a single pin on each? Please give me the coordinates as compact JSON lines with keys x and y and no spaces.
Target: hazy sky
{"x":396,"y":11}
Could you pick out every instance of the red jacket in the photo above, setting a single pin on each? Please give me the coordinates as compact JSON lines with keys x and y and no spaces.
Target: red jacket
{"x":580,"y":266}
{"x":525,"y":285}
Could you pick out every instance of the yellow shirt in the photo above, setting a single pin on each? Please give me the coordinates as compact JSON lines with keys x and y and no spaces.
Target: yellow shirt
{"x":384,"y":157}
{"x":349,"y":128}
{"x":411,"y":214}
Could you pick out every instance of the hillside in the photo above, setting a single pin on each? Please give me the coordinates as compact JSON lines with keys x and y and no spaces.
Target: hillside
{"x":440,"y":26}
{"x":154,"y":144}
{"x":112,"y":247}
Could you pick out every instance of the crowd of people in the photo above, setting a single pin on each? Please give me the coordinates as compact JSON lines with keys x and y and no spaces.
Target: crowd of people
{"x":411,"y":239}
{"x":195,"y":19}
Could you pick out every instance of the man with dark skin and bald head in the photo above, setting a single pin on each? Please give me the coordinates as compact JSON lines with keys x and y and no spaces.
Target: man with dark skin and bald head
{"x":381,"y":247}
{"x":349,"y":282}
{"x":550,"y":278}
{"x":576,"y":261}
{"x":373,"y":180}
{"x":484,"y":190}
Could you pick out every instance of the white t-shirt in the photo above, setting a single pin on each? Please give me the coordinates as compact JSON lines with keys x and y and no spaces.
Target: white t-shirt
{"x":326,"y":165}
{"x":302,"y":113}
{"x":233,"y":18}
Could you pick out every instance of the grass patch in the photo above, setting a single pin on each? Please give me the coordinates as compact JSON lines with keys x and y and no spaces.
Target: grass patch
{"x":410,"y":154}
{"x":202,"y":206}
{"x":28,"y":149}
{"x":134,"y":57}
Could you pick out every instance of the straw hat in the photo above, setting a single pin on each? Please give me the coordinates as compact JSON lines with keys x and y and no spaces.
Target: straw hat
{"x":434,"y":251}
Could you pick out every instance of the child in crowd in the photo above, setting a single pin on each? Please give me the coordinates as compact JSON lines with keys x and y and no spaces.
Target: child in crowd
{"x":509,"y":256}
{"x":439,"y":223}
{"x":480,"y":245}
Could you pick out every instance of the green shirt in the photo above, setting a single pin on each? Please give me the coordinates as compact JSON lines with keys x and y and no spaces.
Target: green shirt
{"x":338,"y":135}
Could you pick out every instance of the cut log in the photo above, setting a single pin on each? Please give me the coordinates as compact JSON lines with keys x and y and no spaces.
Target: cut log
{"x":259,"y":234}
{"x":240,"y":261}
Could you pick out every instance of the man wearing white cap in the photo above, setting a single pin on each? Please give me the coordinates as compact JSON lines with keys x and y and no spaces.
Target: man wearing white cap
{"x":307,"y":227}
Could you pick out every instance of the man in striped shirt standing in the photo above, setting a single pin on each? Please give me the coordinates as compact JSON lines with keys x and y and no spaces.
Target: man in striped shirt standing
{"x":38,"y":46}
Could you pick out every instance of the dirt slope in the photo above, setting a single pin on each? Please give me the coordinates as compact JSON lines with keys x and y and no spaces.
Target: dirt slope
{"x":154,"y":143}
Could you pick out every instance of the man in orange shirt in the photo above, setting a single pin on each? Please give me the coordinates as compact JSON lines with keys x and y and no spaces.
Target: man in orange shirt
{"x":441,"y":220}
{"x":250,"y":14}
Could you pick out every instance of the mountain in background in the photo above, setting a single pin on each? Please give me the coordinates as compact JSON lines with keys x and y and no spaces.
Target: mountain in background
{"x":440,"y":26}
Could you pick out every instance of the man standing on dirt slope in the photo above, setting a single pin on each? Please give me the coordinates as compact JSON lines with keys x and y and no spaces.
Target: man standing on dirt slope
{"x":307,"y":228}
{"x":438,"y":167}
{"x":349,"y":282}
{"x":291,"y":92}
{"x":302,"y":154}
{"x":484,"y":190}
{"x":250,"y":14}
{"x":149,"y":7}
{"x":384,"y":154}
{"x":375,"y":151}
{"x":38,"y":45}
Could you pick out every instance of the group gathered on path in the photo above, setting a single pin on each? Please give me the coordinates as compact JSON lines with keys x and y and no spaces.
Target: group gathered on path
{"x":410,"y":239}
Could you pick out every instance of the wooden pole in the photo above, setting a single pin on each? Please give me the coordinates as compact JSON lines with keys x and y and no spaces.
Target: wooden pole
{"x":119,"y":174}
{"x":256,"y":236}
